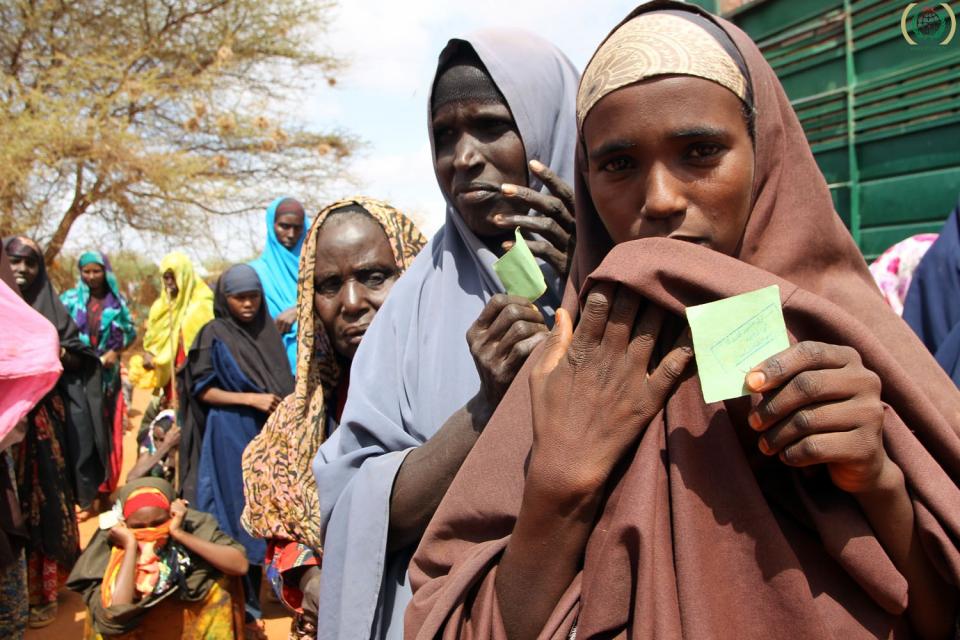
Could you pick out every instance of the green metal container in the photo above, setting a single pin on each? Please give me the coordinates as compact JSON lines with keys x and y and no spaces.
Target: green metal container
{"x":882,"y":115}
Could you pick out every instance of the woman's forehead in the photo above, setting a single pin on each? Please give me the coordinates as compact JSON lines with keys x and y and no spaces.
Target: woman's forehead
{"x":671,"y":106}
{"x":289,"y":206}
{"x":471,"y":108}
{"x":350,"y":231}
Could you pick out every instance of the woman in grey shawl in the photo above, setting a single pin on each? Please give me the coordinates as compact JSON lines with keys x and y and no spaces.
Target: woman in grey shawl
{"x":502,"y":129}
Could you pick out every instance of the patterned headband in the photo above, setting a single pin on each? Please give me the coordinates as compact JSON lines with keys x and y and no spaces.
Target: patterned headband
{"x":656,"y":44}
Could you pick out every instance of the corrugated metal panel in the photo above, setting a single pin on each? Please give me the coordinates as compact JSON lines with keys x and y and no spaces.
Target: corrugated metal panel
{"x":882,"y":116}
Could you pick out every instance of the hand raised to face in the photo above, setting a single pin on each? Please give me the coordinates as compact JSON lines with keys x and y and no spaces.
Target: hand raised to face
{"x":178,"y":511}
{"x":591,"y":393}
{"x":555,"y":222}
{"x":121,"y":536}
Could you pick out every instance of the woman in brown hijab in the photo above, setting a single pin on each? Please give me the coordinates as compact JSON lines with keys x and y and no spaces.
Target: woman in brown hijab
{"x":607,"y":503}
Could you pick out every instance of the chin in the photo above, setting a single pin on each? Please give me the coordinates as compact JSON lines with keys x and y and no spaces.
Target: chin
{"x":484,"y":228}
{"x":346,"y":351}
{"x":477,"y":218}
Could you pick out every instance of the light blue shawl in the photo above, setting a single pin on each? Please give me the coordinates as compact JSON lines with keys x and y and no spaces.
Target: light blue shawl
{"x":413,"y":369}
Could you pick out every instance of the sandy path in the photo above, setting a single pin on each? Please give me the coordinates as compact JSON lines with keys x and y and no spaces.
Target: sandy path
{"x":69,"y":623}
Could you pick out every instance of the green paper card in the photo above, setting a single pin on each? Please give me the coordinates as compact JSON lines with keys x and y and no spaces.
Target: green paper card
{"x":519,"y":271}
{"x":733,"y":335}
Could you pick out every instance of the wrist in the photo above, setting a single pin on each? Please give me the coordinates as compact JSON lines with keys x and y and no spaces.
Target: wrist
{"x":561,"y":488}
{"x":889,"y":480}
{"x":557,"y":503}
{"x":480,"y":410}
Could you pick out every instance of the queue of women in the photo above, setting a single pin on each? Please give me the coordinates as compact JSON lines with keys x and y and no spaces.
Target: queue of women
{"x":371,"y":425}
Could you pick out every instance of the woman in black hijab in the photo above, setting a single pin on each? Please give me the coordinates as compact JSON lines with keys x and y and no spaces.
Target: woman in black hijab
{"x":236,"y":374}
{"x":62,"y":460}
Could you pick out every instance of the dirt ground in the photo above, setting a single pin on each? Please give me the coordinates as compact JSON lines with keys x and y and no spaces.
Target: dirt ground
{"x":70,"y":619}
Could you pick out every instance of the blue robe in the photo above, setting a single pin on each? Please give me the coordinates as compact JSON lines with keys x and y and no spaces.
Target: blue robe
{"x":228,"y":432}
{"x":932,"y":306}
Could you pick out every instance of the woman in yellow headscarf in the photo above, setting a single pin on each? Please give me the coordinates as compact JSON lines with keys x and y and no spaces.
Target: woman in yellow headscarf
{"x":176,"y":317}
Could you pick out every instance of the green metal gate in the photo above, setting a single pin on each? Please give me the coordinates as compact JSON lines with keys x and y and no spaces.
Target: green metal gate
{"x":882,"y":116}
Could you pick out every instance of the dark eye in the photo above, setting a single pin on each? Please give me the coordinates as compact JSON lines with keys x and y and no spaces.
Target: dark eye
{"x":494,"y":124}
{"x":375,"y":279}
{"x":442,"y":134}
{"x":328,"y":286}
{"x":621,"y":163}
{"x":703,"y":150}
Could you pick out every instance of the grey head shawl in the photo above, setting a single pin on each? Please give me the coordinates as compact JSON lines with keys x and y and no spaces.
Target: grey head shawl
{"x":414,"y":369}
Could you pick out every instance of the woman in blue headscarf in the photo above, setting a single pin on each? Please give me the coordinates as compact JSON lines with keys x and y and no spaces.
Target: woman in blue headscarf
{"x":101,"y":314}
{"x":278,"y":265}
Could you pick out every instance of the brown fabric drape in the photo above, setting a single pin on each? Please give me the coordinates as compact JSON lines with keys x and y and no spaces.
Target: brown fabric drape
{"x":701,"y":537}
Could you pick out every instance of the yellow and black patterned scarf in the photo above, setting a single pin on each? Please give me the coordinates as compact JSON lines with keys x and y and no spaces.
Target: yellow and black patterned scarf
{"x":281,"y":494}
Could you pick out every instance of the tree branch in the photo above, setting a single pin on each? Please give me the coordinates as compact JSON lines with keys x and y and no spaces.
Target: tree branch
{"x":76,"y":209}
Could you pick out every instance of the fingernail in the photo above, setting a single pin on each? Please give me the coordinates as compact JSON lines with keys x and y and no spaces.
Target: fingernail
{"x":537,"y":166}
{"x":509,"y":189}
{"x":755,"y":380}
{"x":755,"y":422}
{"x":499,"y":219}
{"x":764,"y":447}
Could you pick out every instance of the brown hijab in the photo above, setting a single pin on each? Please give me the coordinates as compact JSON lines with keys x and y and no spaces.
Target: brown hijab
{"x":693,"y":541}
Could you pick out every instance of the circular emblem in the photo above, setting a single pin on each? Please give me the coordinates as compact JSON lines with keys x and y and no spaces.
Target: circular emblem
{"x":928,"y":25}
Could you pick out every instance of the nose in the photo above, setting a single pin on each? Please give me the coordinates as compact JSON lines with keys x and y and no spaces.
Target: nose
{"x":665,"y":194}
{"x":353,"y":299}
{"x":466,"y":154}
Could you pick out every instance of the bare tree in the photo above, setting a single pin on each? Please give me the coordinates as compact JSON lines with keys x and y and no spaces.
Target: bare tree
{"x":155,"y":114}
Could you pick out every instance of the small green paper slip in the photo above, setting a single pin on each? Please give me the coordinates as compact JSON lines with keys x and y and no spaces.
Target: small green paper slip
{"x":519,"y":272}
{"x":733,"y":335}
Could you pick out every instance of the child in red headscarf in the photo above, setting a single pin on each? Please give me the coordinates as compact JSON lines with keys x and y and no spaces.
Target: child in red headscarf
{"x":160,"y":570}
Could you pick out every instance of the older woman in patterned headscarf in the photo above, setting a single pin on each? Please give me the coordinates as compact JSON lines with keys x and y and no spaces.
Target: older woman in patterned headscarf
{"x":355,"y":251}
